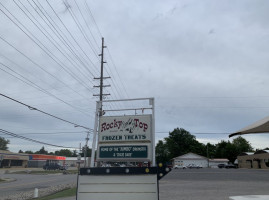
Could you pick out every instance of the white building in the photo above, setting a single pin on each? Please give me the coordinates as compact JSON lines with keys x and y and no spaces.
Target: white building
{"x":73,"y":161}
{"x":190,"y":159}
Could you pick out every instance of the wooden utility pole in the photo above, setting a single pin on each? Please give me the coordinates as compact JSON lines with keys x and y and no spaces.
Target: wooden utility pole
{"x":102,"y":71}
{"x":101,"y":94}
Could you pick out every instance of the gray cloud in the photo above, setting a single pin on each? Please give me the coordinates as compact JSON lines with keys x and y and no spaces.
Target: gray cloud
{"x":205,"y":62}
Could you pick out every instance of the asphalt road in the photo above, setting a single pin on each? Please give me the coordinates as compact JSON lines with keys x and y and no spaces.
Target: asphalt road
{"x":28,"y":182}
{"x":189,"y":184}
{"x":213,"y":184}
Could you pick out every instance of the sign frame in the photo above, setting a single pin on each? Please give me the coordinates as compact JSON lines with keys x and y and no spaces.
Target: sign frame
{"x":150,"y":143}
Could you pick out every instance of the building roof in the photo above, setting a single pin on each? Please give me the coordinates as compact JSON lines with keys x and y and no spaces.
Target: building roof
{"x":261,"y":151}
{"x":13,"y":156}
{"x":246,"y":153}
{"x":190,"y":156}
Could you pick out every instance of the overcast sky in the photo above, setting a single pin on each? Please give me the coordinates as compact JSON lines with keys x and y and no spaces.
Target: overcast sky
{"x":205,"y":63}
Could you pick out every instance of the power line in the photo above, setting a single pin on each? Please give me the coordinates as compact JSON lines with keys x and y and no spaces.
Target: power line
{"x":39,"y":66}
{"x":69,"y":32}
{"x":45,"y":14}
{"x":113,"y":63}
{"x":32,"y":140}
{"x":51,"y":39}
{"x":81,"y":29}
{"x":32,"y":84}
{"x":52,"y":133}
{"x":40,"y":45}
{"x":87,"y":24}
{"x":61,"y":35}
{"x":32,"y":108}
{"x":90,"y":13}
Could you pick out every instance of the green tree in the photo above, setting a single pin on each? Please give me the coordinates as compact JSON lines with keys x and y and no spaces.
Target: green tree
{"x":29,"y":152}
{"x":210,"y":150}
{"x":242,"y":145}
{"x":161,"y":152}
{"x":64,"y":152}
{"x":231,"y":150}
{"x":74,"y":153}
{"x":89,"y":152}
{"x":20,"y":151}
{"x":180,"y":142}
{"x":3,"y":143}
{"x":42,"y":151}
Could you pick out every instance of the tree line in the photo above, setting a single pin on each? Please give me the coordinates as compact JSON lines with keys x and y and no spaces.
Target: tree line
{"x":180,"y":142}
{"x":62,"y":152}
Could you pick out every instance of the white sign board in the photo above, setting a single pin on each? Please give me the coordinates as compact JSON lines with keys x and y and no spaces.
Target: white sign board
{"x":127,"y":138}
{"x":131,"y":128}
{"x":116,"y":187}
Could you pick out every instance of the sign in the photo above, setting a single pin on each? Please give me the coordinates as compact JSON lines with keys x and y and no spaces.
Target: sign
{"x":117,"y":187}
{"x":123,"y":151}
{"x":123,"y":138}
{"x":131,"y":128}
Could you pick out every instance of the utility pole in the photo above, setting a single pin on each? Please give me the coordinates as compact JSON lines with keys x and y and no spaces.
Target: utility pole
{"x":85,"y":149}
{"x":101,"y":94}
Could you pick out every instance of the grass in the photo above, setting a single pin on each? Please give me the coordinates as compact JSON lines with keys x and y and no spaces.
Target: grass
{"x":65,"y":193}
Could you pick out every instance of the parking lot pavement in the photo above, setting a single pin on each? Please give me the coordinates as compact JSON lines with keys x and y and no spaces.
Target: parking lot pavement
{"x":213,"y":184}
{"x":209,"y":184}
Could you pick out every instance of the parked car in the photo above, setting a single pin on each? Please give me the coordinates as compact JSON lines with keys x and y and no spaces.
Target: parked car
{"x":221,"y":165}
{"x":194,"y":166}
{"x":179,"y":167}
{"x":53,"y":166}
{"x":230,"y":166}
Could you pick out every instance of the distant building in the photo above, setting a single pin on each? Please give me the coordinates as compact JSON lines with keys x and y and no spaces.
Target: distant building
{"x":39,"y":160}
{"x":73,"y":161}
{"x":257,"y":160}
{"x":190,"y":159}
{"x":10,"y":159}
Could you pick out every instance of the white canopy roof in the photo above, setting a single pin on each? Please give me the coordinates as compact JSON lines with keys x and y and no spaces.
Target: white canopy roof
{"x":261,"y":126}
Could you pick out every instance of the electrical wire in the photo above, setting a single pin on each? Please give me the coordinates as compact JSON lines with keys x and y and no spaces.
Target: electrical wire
{"x":61,"y":35}
{"x":52,"y":133}
{"x":84,"y":19}
{"x":81,"y":29}
{"x":69,"y":32}
{"x":32,"y":84}
{"x":40,"y":45}
{"x":90,"y":13}
{"x":33,"y":140}
{"x":32,"y":108}
{"x":39,"y":66}
{"x":53,"y":41}
{"x":113,"y":63}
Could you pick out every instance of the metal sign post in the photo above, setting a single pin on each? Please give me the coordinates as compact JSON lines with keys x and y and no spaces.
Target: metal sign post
{"x":122,"y":138}
{"x":98,"y":106}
